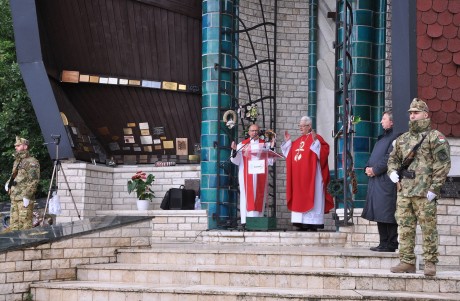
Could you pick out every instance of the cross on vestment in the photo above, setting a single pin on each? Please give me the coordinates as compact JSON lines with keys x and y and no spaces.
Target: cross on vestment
{"x":298,"y":156}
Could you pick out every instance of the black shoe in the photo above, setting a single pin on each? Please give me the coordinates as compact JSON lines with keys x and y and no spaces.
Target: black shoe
{"x":376,"y":249}
{"x":385,"y":249}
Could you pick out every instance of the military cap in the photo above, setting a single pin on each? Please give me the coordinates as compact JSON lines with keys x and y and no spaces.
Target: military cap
{"x":418,"y":105}
{"x":20,"y":141}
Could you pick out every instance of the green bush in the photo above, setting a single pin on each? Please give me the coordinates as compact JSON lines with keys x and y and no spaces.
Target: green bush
{"x":17,"y":117}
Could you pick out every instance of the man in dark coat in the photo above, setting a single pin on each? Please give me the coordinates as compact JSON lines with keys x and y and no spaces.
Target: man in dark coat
{"x":381,"y":191}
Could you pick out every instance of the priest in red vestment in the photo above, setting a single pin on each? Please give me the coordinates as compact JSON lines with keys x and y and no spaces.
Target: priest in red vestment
{"x":253,"y":187}
{"x":307,"y":177}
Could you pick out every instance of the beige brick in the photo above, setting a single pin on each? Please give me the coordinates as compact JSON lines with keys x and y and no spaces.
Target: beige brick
{"x":72,"y":253}
{"x":32,"y":276}
{"x":23,"y":266}
{"x":81,"y":243}
{"x":52,"y":253}
{"x":47,"y":275}
{"x":7,"y":266}
{"x":66,"y":273}
{"x":41,"y":264}
{"x":14,"y":277}
{"x":32,"y":254}
{"x":60,"y":263}
{"x":14,"y":256}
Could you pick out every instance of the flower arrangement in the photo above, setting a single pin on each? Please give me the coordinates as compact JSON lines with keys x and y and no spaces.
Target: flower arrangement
{"x":141,"y":183}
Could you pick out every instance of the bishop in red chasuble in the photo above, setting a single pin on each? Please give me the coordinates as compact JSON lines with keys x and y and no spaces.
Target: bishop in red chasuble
{"x":307,"y":177}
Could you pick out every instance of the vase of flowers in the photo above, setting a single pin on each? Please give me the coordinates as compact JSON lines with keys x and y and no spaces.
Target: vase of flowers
{"x":142,"y":183}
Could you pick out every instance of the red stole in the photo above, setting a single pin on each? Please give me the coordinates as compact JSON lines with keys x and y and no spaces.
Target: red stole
{"x":301,"y":165}
{"x":251,"y":203}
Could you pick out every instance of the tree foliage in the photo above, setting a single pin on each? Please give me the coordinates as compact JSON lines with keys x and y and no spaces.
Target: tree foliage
{"x":17,"y":117}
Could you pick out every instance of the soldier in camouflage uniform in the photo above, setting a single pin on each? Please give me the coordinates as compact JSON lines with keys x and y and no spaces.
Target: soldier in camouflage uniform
{"x":419,"y":187}
{"x":23,"y":187}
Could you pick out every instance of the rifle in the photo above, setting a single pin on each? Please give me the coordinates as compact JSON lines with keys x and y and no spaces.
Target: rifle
{"x":408,"y":161}
{"x":11,"y":181}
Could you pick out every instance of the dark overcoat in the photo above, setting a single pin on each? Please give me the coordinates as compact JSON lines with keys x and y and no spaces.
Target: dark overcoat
{"x":381,"y":191}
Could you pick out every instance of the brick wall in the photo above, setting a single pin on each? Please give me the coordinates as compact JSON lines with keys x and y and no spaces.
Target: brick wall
{"x":57,"y":260}
{"x":365,"y":234}
{"x":96,"y":187}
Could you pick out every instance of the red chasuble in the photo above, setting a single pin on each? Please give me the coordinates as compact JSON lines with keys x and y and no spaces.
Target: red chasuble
{"x":301,"y":172}
{"x":251,"y":203}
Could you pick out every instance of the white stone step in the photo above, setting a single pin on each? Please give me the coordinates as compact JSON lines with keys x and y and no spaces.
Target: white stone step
{"x":113,"y":291}
{"x":273,"y":277}
{"x":258,"y":255}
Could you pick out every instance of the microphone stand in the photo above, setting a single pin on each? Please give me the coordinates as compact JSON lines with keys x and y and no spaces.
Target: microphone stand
{"x":235,"y":152}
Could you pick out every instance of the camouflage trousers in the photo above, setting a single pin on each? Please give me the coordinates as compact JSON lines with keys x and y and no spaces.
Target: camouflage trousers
{"x":20,"y":217}
{"x":409,"y":211}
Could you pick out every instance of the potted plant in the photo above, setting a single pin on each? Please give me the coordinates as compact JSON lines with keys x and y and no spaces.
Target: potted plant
{"x":141,"y":183}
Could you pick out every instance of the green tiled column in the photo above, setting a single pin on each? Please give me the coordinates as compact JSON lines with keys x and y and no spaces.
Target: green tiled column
{"x":367,"y":87}
{"x":215,"y":41}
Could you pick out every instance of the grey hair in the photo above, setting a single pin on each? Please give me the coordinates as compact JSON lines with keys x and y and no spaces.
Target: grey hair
{"x":389,"y":113}
{"x":306,"y":119}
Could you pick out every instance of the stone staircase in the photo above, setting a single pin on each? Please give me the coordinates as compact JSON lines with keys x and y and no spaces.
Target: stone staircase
{"x":236,"y":265}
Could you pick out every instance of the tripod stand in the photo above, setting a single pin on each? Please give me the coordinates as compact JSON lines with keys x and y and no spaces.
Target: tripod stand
{"x":54,"y":178}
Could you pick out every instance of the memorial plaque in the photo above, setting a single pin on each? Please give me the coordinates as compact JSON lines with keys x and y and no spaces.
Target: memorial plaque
{"x":84,"y":78}
{"x":70,"y":76}
{"x":159,"y":130}
{"x":169,"y":86}
{"x":451,"y":188}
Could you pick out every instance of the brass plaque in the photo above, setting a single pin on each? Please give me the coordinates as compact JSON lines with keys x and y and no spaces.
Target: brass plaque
{"x":84,"y":78}
{"x":145,"y":132}
{"x":131,"y":124}
{"x":134,"y":82}
{"x":148,"y":148}
{"x":182,"y":87}
{"x":94,"y":79}
{"x":169,"y":86}
{"x":168,"y":144}
{"x":123,"y":81}
{"x":158,"y":147}
{"x":127,"y":131}
{"x":70,"y":76}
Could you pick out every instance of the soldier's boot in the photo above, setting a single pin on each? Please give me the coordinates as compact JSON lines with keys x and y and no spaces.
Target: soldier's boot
{"x":430,"y":269}
{"x":403,"y":267}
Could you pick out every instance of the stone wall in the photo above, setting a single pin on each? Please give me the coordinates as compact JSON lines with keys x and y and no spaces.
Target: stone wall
{"x":171,"y":225}
{"x":57,"y":260}
{"x":365,"y":234}
{"x":96,"y":187}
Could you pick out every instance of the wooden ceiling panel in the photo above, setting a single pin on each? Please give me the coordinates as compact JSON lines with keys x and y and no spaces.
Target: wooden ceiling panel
{"x":143,"y":40}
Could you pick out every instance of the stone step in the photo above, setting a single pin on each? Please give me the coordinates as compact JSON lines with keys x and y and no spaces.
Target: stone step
{"x":273,"y":277}
{"x":116,"y":291}
{"x":189,"y":254}
{"x":275,"y":238}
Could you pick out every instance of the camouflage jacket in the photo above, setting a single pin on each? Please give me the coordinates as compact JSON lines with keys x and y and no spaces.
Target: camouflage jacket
{"x":27,"y":177}
{"x":432,"y":161}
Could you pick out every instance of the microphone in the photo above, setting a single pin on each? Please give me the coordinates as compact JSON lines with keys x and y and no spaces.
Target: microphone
{"x":235,"y":152}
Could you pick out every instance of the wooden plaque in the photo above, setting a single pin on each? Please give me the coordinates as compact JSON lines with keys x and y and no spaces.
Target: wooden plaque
{"x":70,"y":76}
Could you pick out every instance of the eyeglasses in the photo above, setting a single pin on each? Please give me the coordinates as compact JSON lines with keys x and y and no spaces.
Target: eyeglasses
{"x":303,"y":125}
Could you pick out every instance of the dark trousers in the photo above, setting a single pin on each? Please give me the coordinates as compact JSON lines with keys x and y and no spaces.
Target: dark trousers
{"x":388,"y":235}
